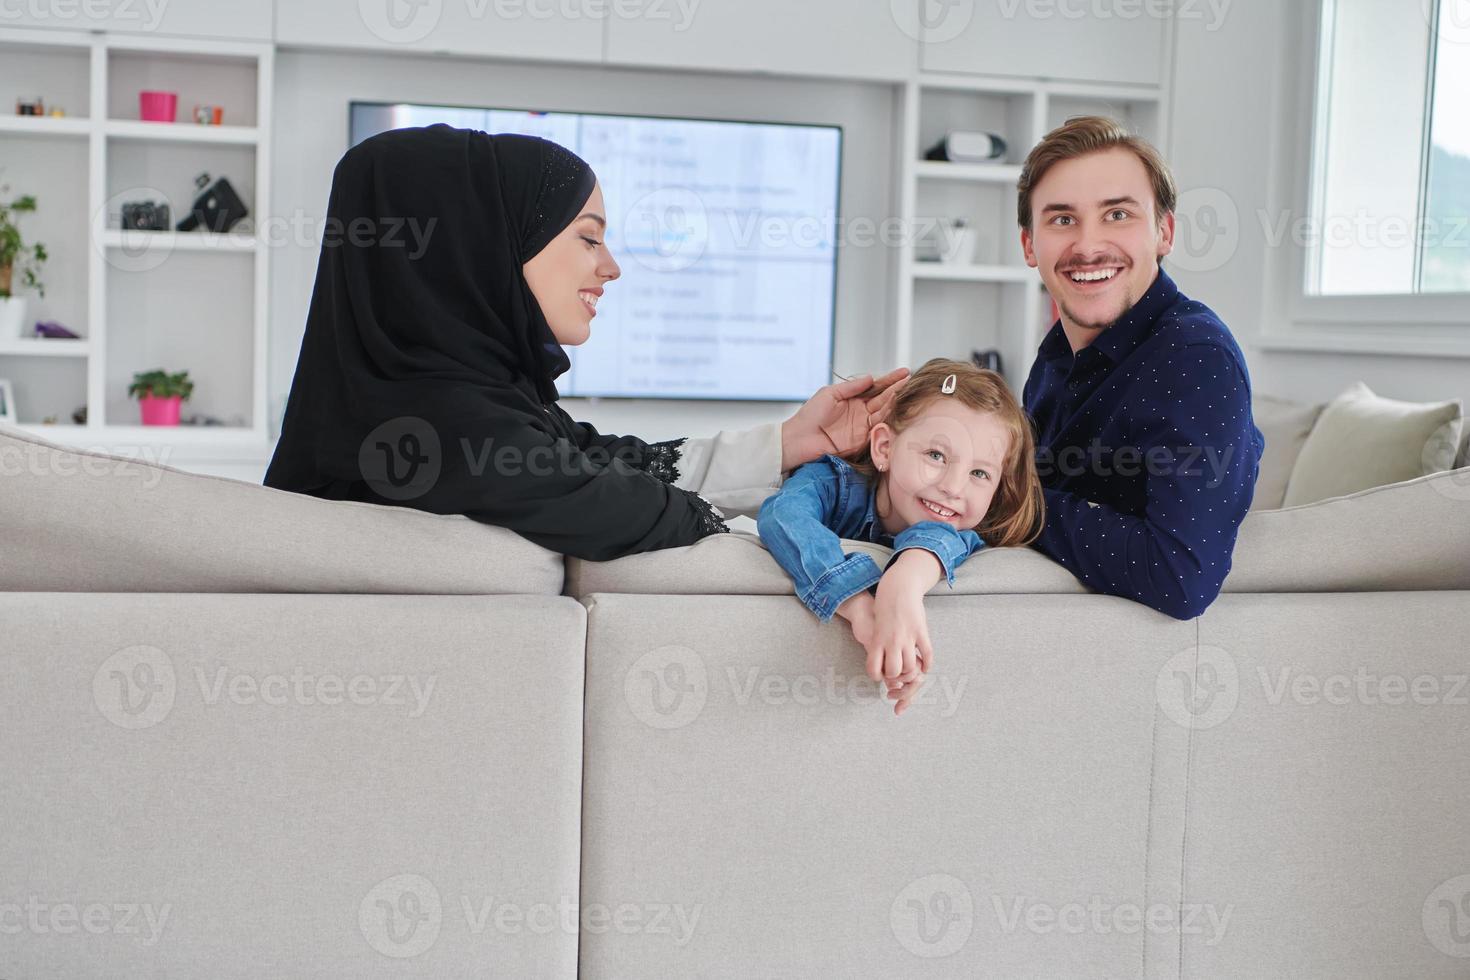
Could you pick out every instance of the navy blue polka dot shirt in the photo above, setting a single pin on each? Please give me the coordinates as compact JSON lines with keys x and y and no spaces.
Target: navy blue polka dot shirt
{"x":1147,"y":452}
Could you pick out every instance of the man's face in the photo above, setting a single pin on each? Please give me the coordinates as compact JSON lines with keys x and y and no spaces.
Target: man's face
{"x":1095,"y":237}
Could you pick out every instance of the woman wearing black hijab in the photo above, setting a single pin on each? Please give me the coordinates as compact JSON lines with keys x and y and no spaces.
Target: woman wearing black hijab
{"x":427,"y":369}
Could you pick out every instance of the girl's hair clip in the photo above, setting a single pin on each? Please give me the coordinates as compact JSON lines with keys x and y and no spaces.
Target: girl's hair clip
{"x":949,"y":385}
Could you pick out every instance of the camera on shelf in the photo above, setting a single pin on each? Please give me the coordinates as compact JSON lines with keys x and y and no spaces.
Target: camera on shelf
{"x":145,"y":216}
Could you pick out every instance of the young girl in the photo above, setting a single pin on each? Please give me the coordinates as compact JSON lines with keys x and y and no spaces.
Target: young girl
{"x":952,"y":470}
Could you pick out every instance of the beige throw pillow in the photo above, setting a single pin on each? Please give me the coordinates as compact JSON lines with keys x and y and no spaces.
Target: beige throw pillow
{"x":1363,"y":441}
{"x":1285,"y":426}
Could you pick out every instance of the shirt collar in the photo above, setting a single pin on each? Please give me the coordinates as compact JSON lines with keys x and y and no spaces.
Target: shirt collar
{"x":1118,"y":341}
{"x":1132,"y":327}
{"x":1054,"y":344}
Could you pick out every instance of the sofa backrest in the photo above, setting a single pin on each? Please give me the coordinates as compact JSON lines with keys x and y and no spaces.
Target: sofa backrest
{"x":738,"y":563}
{"x":79,"y":521}
{"x":1409,"y":536}
{"x":1405,"y":537}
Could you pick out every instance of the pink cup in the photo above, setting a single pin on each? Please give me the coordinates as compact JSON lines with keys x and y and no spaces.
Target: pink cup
{"x":158,"y":106}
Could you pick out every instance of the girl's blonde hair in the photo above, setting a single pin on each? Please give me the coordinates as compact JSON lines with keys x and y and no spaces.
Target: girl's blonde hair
{"x":1017,"y":509}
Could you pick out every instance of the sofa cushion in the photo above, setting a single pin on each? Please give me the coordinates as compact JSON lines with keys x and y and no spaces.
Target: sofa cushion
{"x":281,"y":771}
{"x":1333,"y":766}
{"x":79,"y":521}
{"x":1409,"y":536}
{"x":738,"y":564}
{"x":1363,"y":441}
{"x":806,"y":825}
{"x":1285,"y":426}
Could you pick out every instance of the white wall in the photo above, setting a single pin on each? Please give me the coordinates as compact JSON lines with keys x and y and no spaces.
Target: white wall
{"x":312,"y":93}
{"x":1235,"y":138}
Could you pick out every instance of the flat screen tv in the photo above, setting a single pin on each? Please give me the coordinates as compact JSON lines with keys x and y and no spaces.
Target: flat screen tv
{"x":726,"y":234}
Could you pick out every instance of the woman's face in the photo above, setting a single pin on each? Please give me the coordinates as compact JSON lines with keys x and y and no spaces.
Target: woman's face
{"x":566,"y":276}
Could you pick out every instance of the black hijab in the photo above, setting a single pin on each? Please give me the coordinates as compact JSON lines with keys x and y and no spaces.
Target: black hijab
{"x":425,"y":352}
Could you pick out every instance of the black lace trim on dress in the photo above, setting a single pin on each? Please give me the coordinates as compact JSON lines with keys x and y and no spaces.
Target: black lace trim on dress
{"x":661,"y":460}
{"x":710,"y":521}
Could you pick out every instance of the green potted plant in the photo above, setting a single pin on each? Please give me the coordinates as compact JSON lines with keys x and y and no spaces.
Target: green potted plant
{"x":160,"y":395}
{"x":17,"y":260}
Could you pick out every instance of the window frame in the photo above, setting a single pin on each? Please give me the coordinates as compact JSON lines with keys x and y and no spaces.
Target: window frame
{"x":1433,"y":324}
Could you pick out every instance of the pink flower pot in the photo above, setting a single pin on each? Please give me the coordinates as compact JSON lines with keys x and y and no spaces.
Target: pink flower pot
{"x":160,"y":411}
{"x":158,"y":106}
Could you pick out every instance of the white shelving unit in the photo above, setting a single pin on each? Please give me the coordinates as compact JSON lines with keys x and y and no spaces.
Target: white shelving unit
{"x":45,"y":126}
{"x":199,"y":301}
{"x":171,"y":241}
{"x":999,"y":173}
{"x":37,"y":347}
{"x":972,"y":272}
{"x":237,"y":135}
{"x":178,"y":301}
{"x":948,"y":310}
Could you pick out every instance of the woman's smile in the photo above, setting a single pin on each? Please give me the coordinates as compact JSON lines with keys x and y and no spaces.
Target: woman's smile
{"x":589,"y":298}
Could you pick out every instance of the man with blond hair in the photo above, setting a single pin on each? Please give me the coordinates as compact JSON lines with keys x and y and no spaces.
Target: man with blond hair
{"x":1140,"y":395}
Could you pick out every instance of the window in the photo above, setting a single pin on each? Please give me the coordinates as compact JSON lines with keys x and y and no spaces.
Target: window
{"x":1390,"y":209}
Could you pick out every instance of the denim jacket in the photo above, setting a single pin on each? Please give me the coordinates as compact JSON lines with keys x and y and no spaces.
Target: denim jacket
{"x":826,"y":500}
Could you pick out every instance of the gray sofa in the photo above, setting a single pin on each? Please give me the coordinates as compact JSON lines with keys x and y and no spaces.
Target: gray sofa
{"x":251,"y":733}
